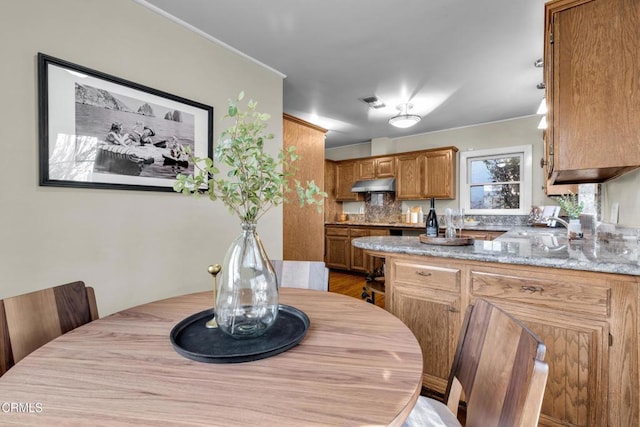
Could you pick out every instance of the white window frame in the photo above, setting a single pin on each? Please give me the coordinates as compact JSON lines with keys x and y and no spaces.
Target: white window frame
{"x":526,"y":178}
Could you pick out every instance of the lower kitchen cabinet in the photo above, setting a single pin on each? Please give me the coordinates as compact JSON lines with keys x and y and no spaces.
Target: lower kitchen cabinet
{"x":427,"y":299}
{"x":588,"y":322}
{"x":341,"y":254}
{"x":360,"y":261}
{"x":337,"y":247}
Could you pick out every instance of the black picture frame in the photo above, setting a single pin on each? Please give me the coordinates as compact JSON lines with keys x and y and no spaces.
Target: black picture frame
{"x":100,"y":131}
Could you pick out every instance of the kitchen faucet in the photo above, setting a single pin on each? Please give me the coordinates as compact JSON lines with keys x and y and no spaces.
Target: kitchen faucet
{"x":555,"y":218}
{"x":570,"y":234}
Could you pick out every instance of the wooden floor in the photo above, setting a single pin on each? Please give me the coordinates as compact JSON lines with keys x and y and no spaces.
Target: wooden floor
{"x":351,"y":284}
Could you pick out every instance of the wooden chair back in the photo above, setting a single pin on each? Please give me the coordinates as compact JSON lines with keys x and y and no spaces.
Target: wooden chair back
{"x":499,"y":367}
{"x":31,"y":320}
{"x":302,"y":274}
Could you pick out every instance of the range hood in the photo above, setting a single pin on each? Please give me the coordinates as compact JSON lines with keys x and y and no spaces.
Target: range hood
{"x":374,"y":185}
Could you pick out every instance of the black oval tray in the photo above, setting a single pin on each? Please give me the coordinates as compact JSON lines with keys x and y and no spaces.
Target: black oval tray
{"x":193,"y":340}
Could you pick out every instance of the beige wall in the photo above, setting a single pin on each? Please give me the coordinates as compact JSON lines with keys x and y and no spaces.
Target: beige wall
{"x":626,"y":191}
{"x":132,"y":246}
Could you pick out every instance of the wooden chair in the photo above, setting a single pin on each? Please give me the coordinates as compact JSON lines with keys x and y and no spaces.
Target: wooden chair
{"x":31,"y":320}
{"x":498,"y":366}
{"x":302,"y":274}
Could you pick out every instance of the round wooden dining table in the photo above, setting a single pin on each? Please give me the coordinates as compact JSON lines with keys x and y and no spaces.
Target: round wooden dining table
{"x":358,"y":365}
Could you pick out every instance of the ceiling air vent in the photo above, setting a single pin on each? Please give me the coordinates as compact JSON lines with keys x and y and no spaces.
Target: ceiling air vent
{"x":374,"y":102}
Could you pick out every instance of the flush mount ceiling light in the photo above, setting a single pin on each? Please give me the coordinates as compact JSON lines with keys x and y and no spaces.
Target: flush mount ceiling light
{"x":404,"y":119}
{"x":374,"y":102}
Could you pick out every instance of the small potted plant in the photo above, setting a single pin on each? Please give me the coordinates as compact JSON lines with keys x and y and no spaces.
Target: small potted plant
{"x":571,"y":205}
{"x":249,"y":182}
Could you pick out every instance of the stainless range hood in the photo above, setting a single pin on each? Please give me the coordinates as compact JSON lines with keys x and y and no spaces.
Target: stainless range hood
{"x":374,"y":185}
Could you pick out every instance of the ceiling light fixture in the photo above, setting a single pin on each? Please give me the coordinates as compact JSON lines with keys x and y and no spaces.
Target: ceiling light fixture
{"x":404,"y":119}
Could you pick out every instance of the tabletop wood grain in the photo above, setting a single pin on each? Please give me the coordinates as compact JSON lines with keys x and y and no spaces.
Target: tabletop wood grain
{"x":357,"y":366}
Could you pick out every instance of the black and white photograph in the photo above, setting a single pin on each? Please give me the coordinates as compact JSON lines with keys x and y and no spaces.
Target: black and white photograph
{"x":101,"y":131}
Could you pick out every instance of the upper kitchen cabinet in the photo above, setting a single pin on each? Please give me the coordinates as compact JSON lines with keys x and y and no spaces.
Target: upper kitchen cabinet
{"x":303,"y":227}
{"x":375,"y":167}
{"x":426,"y":174}
{"x":440,"y":173}
{"x":593,"y":90}
{"x":332,"y":208}
{"x":409,"y":176}
{"x":345,"y":178}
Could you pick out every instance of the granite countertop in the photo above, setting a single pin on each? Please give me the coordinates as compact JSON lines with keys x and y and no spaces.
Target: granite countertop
{"x":418,"y":226}
{"x":542,"y":247}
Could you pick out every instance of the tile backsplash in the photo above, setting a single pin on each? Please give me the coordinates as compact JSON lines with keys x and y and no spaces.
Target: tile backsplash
{"x":381,"y":207}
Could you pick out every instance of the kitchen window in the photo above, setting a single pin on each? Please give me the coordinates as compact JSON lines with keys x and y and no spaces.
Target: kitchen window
{"x":496,"y":181}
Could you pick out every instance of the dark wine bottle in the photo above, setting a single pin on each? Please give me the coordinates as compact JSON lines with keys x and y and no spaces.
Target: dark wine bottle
{"x":432,"y":221}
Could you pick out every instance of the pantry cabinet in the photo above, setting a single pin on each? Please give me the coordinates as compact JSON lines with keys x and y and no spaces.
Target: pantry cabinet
{"x":303,"y":235}
{"x":588,"y":322}
{"x":592,"y":89}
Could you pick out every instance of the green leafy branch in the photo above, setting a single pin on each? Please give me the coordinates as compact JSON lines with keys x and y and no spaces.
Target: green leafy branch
{"x":570,"y":204}
{"x":254,"y":181}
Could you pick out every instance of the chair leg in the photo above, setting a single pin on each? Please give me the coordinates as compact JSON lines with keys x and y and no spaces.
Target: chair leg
{"x":368,"y":298}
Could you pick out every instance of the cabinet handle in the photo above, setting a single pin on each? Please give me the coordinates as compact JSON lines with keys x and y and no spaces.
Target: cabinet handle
{"x":532,"y":289}
{"x":452,"y":310}
{"x":423,"y":273}
{"x":543,"y":163}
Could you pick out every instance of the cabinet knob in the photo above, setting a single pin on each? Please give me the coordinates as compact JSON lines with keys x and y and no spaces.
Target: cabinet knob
{"x":423,"y":273}
{"x":543,"y":163}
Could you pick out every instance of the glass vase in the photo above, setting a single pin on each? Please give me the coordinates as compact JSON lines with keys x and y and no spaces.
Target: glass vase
{"x":247,"y":303}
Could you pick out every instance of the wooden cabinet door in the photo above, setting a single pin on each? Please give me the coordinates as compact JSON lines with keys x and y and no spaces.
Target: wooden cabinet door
{"x":577,"y":354}
{"x":409,"y":177}
{"x":332,"y":208}
{"x":427,"y":298}
{"x":358,"y":258}
{"x":439,"y":174}
{"x":385,"y":167}
{"x":434,"y":317}
{"x":345,"y":178}
{"x":591,"y":56}
{"x":337,"y":247}
{"x":360,"y":261}
{"x":365,"y":169}
{"x":570,"y":314}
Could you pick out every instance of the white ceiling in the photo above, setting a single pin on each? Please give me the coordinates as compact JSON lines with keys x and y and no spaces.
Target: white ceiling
{"x":459,"y":62}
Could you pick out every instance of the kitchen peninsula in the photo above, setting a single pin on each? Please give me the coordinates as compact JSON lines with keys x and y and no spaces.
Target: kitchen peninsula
{"x":580,"y":297}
